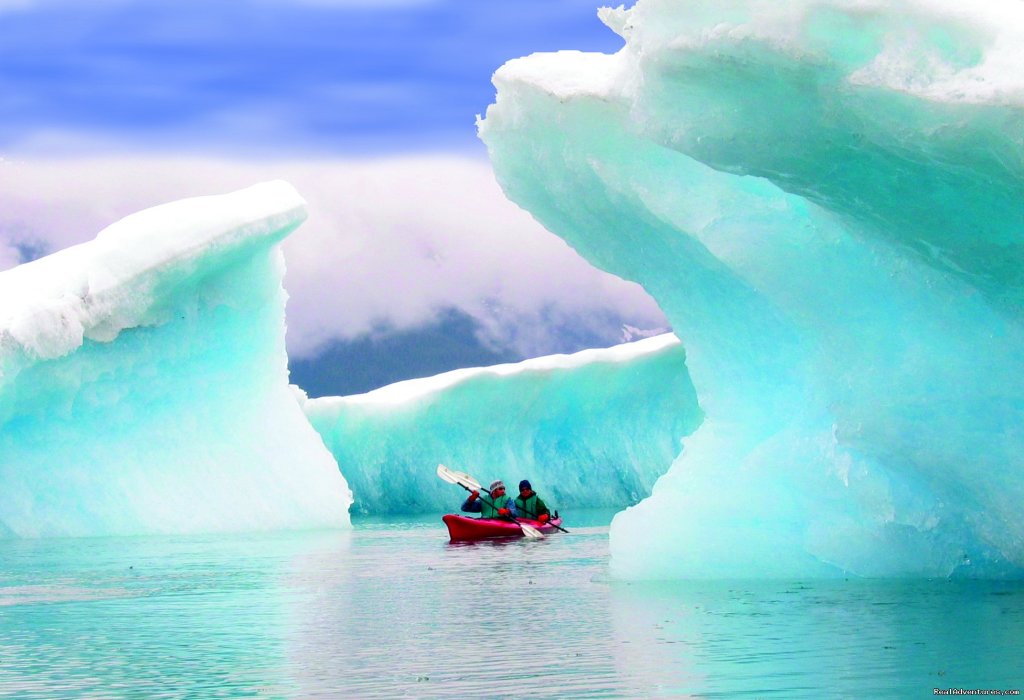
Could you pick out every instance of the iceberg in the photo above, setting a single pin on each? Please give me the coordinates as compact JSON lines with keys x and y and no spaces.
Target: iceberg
{"x":593,"y":429}
{"x":825,"y":199}
{"x":144,"y":381}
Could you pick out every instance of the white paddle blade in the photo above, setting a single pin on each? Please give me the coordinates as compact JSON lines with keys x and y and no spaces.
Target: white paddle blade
{"x":466,"y":480}
{"x":530,"y":531}
{"x":460,"y":478}
{"x":446,"y":474}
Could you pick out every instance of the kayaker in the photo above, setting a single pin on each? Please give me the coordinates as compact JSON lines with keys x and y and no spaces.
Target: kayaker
{"x":529,"y":505}
{"x":498,"y":505}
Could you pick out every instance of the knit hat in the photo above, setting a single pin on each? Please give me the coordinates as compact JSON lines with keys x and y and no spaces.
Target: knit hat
{"x":524,"y":484}
{"x":499,"y":484}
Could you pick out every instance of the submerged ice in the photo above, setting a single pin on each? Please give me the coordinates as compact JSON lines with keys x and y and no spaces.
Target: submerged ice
{"x":144,"y":383}
{"x":590,"y":430}
{"x":825,"y":198}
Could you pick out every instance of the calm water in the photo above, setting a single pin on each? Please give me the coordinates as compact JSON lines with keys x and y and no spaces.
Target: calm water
{"x":392,"y":609}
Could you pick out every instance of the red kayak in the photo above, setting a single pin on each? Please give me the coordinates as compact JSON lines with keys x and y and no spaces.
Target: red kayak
{"x":462,"y":529}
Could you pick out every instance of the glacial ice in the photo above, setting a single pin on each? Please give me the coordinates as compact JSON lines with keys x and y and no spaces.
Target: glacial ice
{"x":590,"y":430}
{"x":825,"y":199}
{"x":144,"y":382}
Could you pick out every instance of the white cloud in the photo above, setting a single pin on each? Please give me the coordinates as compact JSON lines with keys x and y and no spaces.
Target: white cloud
{"x":388,"y":241}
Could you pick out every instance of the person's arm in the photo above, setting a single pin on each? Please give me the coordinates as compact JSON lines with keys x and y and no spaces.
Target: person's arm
{"x":543,"y":514}
{"x":472,"y":504}
{"x":542,"y":508}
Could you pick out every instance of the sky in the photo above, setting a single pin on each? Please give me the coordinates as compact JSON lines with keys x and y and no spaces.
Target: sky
{"x":412,"y":260}
{"x":257,"y":77}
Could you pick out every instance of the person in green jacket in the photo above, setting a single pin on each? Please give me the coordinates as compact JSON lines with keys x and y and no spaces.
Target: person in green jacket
{"x":529,"y":505}
{"x":497,"y":506}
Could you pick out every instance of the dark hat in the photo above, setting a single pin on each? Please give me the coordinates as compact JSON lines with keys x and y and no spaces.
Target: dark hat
{"x":524,"y":484}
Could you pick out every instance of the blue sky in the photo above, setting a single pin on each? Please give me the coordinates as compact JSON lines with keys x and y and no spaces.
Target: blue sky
{"x":258,"y":77}
{"x":368,"y":108}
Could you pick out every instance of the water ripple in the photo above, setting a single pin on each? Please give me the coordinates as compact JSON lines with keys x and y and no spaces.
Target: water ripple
{"x":393,"y":610}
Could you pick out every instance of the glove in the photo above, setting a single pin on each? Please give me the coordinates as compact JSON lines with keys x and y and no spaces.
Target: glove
{"x":543,"y":518}
{"x":473,"y":495}
{"x":504,"y":511}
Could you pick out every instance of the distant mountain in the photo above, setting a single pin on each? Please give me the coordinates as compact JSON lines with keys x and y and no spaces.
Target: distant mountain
{"x":358,"y":366}
{"x":452,"y":342}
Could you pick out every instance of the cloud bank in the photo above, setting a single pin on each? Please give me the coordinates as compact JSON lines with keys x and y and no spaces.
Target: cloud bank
{"x":389,"y":244}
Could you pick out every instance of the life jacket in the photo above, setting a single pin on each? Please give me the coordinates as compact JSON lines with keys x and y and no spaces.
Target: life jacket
{"x":489,"y":506}
{"x":528,"y":508}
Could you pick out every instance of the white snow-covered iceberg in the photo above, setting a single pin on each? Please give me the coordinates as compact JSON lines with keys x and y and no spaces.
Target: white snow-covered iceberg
{"x":825,"y":199}
{"x":144,"y":382}
{"x":592,"y":429}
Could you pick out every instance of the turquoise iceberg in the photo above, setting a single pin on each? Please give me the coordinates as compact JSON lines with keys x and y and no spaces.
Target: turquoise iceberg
{"x":144,"y":382}
{"x":825,"y":199}
{"x":594,"y":429}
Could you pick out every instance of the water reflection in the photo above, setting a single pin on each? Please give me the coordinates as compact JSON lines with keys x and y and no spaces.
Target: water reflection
{"x":392,"y":609}
{"x":834,"y":638}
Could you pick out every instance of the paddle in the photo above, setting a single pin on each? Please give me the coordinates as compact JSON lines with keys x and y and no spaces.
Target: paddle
{"x":470,"y":484}
{"x":534,"y":516}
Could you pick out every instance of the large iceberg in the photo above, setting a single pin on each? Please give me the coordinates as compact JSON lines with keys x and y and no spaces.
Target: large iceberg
{"x":144,"y":381}
{"x":825,"y":197}
{"x":592,"y":429}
